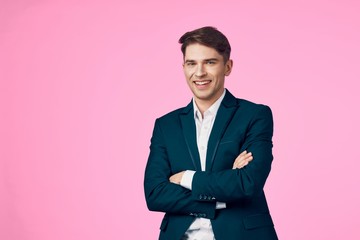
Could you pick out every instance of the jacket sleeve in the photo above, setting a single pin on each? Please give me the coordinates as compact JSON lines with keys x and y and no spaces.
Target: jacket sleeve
{"x":164,"y":196}
{"x":234,"y":184}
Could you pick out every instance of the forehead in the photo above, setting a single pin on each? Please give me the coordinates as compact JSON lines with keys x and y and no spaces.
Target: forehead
{"x":198,"y":51}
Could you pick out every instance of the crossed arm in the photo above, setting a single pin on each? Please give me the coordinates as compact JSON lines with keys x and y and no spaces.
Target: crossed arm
{"x":241,"y":161}
{"x":224,"y":186}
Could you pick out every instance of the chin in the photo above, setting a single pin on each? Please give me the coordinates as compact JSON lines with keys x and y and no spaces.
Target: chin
{"x":204,"y":97}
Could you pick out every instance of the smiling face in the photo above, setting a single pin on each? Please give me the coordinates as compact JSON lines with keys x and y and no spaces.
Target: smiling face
{"x":205,"y":73}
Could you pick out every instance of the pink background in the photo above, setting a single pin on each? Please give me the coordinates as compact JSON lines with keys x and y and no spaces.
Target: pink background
{"x":83,"y":81}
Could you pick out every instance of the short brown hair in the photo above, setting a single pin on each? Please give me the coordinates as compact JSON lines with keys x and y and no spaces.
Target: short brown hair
{"x":210,"y":37}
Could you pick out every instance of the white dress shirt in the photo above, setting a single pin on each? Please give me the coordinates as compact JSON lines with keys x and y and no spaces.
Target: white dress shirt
{"x":201,"y":228}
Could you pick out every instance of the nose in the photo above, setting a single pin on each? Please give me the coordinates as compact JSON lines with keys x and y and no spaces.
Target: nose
{"x":200,"y":71}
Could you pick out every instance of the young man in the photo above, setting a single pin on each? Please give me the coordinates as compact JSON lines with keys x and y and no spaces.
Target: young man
{"x":209,"y":161}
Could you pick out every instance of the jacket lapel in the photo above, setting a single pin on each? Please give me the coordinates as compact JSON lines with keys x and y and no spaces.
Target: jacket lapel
{"x":224,"y":115}
{"x":189,"y":132}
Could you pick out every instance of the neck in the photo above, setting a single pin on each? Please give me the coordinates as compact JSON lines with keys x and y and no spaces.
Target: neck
{"x":204,"y":104}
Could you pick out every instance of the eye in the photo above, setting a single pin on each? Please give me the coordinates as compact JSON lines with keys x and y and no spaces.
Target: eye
{"x":190,"y":64}
{"x":210,"y":62}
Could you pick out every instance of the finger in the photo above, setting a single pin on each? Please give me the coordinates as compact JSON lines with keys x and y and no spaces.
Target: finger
{"x":247,"y":159}
{"x":243,"y":153}
{"x":244,"y":162}
{"x":243,"y":158}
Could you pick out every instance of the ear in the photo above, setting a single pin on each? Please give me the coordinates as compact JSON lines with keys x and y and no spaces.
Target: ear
{"x":228,"y":67}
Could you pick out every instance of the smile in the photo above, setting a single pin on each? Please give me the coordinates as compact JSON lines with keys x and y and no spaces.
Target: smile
{"x":202,"y":82}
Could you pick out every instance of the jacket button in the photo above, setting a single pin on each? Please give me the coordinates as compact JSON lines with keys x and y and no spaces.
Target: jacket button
{"x":201,"y":196}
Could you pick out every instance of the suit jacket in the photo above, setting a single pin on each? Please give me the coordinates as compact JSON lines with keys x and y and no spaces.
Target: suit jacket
{"x":239,"y":125}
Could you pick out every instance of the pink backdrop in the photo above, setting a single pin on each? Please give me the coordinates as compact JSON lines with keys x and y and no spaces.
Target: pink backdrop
{"x":83,"y":81}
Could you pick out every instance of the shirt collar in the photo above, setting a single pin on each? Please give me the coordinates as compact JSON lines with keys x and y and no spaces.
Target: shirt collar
{"x":212,"y":110}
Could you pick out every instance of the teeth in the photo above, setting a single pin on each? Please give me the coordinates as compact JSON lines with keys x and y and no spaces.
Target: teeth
{"x":202,"y":83}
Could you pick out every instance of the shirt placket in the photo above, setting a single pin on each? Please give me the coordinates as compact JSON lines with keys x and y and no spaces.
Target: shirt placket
{"x":203,"y":139}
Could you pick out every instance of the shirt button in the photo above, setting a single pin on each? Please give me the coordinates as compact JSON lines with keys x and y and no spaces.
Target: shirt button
{"x":202,"y":148}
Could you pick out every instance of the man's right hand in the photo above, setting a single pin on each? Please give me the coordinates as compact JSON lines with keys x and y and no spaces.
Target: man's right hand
{"x":242,"y":160}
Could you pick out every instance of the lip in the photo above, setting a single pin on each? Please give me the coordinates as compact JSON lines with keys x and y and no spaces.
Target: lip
{"x":202,"y":83}
{"x":205,"y":84}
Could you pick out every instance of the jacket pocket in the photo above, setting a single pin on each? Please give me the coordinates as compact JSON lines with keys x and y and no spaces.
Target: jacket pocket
{"x":225,"y":141}
{"x":258,"y":220}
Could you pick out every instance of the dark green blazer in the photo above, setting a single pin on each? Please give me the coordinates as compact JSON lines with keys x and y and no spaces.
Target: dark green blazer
{"x":239,"y":125}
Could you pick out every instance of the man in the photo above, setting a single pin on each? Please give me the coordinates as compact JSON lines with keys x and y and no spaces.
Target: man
{"x":209,"y":161}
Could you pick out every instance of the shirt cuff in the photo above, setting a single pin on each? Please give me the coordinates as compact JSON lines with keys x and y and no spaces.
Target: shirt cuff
{"x":220,"y":205}
{"x":186,"y":180}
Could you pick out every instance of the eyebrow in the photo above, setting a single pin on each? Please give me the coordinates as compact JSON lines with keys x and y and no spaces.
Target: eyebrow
{"x":205,"y":60}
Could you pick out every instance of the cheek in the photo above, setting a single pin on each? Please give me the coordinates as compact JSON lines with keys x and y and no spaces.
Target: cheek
{"x":188,"y":75}
{"x":187,"y":78}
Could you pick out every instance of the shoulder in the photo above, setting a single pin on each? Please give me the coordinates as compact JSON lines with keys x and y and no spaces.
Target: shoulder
{"x":251,"y":106}
{"x":242,"y":104}
{"x":170,"y":123}
{"x":252,"y":112}
{"x":173,"y":117}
